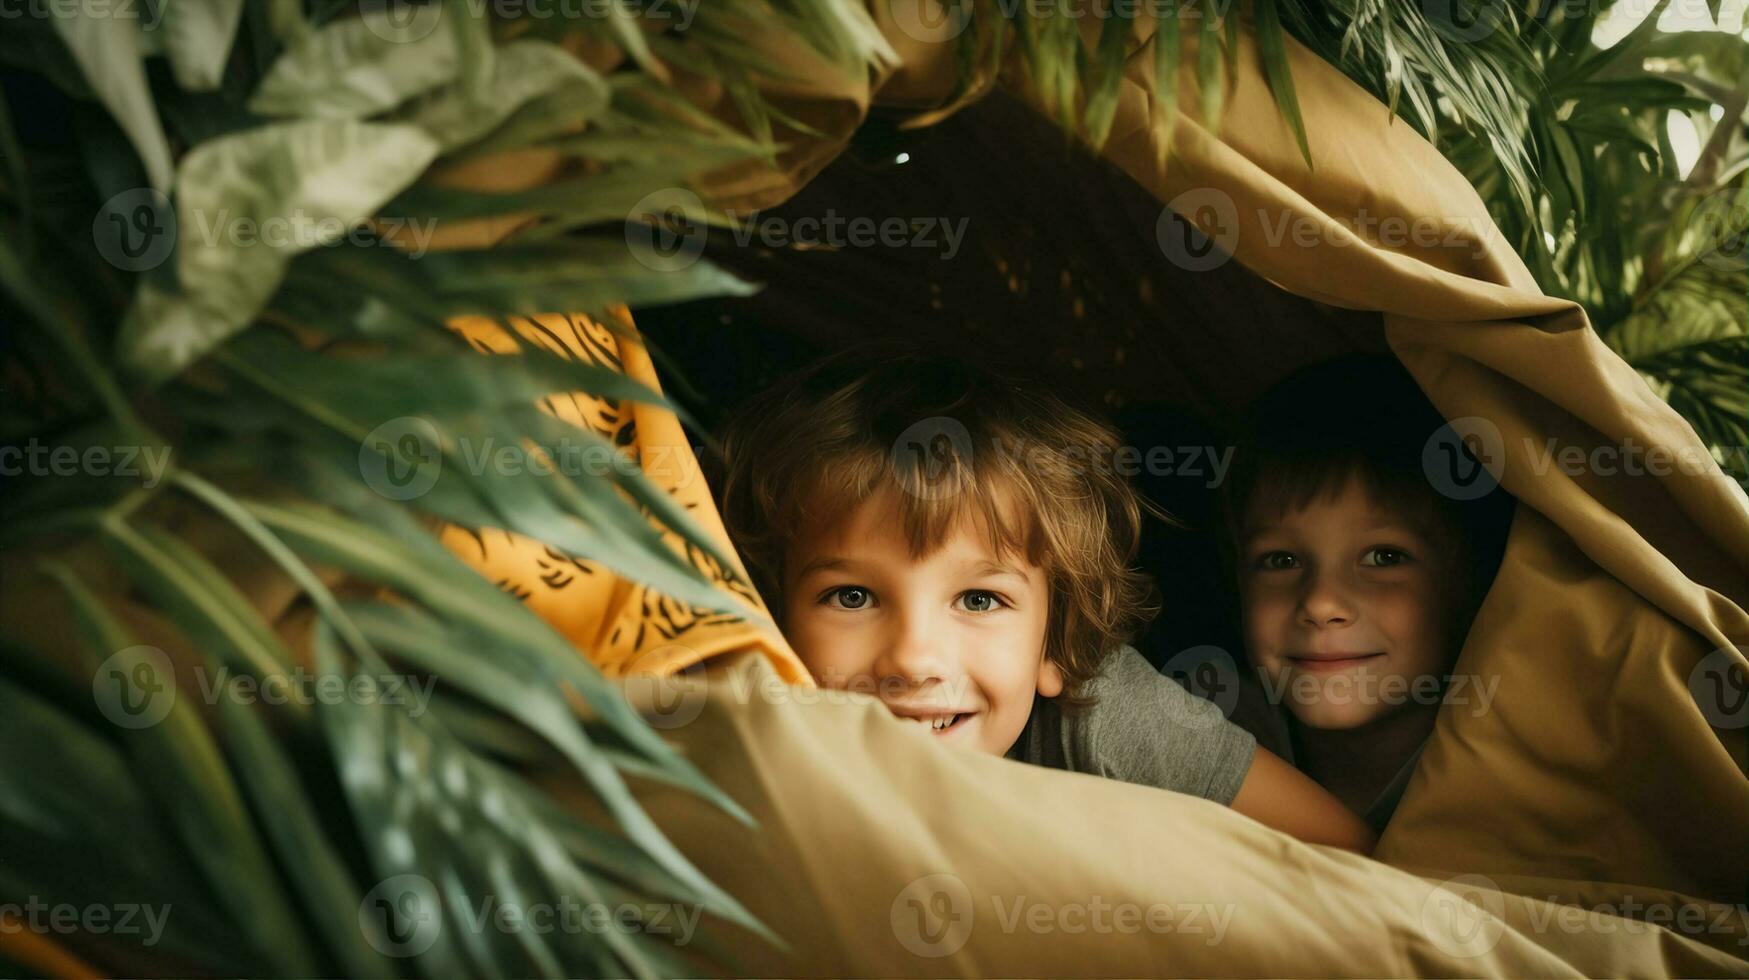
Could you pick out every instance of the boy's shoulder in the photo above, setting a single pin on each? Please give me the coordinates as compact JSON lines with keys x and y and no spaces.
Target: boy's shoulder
{"x":1141,"y":727}
{"x":1129,"y":694}
{"x":1125,"y":672}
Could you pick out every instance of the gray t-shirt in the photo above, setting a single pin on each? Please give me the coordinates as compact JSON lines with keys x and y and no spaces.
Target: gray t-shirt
{"x":1142,"y":728}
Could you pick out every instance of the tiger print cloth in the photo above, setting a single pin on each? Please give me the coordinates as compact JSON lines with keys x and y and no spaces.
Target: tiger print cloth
{"x":623,"y":626}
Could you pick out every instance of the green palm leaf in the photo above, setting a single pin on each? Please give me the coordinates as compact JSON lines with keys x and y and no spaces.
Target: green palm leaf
{"x":187,"y":770}
{"x":1688,"y":330}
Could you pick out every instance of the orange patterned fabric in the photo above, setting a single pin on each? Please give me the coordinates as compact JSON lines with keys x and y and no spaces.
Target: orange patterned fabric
{"x":623,"y":626}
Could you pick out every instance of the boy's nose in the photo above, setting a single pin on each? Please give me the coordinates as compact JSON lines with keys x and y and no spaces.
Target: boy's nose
{"x":914,"y":652}
{"x":1325,"y":603}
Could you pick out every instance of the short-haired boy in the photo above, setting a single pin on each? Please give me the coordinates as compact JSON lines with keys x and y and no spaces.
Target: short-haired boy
{"x":1357,"y":575}
{"x":950,"y":541}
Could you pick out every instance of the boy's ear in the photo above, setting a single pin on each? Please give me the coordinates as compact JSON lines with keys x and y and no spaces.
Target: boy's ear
{"x":1050,"y":679}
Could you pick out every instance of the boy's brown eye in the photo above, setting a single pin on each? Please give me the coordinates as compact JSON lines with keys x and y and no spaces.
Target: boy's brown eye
{"x":1382,"y":557}
{"x":1276,"y":561}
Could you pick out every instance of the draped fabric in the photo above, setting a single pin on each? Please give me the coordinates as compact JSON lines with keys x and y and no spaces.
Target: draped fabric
{"x":623,"y":626}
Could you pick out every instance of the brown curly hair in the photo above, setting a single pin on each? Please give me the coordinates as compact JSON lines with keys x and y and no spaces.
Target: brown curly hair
{"x":956,"y":440}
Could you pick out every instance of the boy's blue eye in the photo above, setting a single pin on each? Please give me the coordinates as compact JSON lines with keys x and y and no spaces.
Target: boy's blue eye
{"x":849,"y":597}
{"x":1276,"y":561}
{"x":981,"y":602}
{"x":1383,"y":557}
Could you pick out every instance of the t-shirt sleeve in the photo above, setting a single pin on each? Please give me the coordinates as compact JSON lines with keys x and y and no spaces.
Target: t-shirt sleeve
{"x":1144,"y":728}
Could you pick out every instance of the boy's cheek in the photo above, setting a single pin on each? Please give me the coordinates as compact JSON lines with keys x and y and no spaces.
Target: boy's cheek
{"x":828,"y":652}
{"x":1263,"y":628}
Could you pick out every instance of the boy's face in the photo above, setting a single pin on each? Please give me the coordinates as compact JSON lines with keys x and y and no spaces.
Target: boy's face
{"x":1349,"y":610}
{"x":954,"y":639}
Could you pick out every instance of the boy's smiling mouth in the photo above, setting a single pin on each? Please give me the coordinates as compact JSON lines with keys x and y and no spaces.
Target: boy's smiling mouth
{"x":1319,"y":662}
{"x":938,"y":721}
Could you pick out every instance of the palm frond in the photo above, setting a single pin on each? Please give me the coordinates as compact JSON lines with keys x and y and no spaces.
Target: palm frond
{"x":1688,"y":329}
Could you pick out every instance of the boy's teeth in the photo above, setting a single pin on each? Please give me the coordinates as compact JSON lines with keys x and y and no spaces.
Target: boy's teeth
{"x":934,"y":721}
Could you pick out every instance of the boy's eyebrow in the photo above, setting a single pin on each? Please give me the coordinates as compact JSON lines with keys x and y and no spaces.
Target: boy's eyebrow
{"x":992,"y":567}
{"x":826,"y":563}
{"x":822,"y":564}
{"x":1397,"y":525}
{"x":1378,"y":527}
{"x":1393,"y":526}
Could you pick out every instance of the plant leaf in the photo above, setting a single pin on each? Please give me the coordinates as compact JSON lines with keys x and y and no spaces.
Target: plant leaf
{"x":522,"y":72}
{"x":59,"y":804}
{"x":227,"y":628}
{"x":355,"y":68}
{"x":179,"y":757}
{"x":197,"y":37}
{"x":529,"y":691}
{"x":330,"y":897}
{"x":109,"y":52}
{"x":248,"y":203}
{"x":399,"y":812}
{"x":1272,"y":48}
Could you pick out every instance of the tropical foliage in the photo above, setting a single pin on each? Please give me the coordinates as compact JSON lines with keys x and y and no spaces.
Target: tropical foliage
{"x":260,"y":368}
{"x":258,"y":346}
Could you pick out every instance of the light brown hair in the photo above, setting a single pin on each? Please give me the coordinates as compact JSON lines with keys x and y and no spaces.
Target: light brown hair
{"x":957,"y":442}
